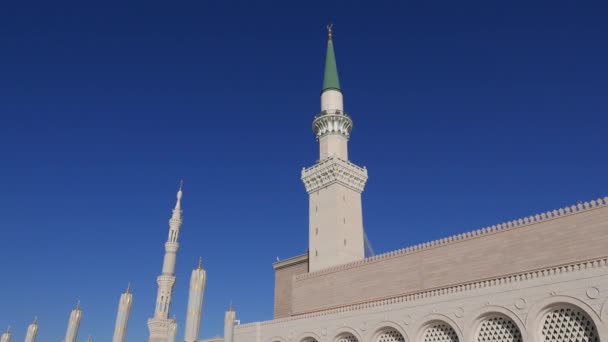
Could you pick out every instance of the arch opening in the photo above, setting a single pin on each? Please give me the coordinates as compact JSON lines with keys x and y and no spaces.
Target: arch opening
{"x":439,"y":332}
{"x":347,"y":337}
{"x":389,"y":335}
{"x":498,"y":328}
{"x":568,"y":323}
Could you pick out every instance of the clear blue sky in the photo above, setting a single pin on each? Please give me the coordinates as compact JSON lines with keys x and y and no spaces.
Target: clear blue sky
{"x":465,"y":114}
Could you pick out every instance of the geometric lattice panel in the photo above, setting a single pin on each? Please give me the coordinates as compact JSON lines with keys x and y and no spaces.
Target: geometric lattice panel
{"x":440,"y":332}
{"x":347,"y":338}
{"x":390,"y":335}
{"x":565,"y":324}
{"x":498,"y":329}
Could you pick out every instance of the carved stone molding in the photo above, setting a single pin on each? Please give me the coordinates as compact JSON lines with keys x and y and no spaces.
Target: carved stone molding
{"x":334,"y":170}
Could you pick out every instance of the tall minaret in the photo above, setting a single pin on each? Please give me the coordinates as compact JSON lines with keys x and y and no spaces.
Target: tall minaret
{"x":195,"y":302}
{"x":32,"y":331}
{"x":229,"y":321}
{"x":159,"y":326}
{"x":122,"y":317}
{"x":73,"y":324}
{"x":334,"y":184}
{"x":6,"y":337}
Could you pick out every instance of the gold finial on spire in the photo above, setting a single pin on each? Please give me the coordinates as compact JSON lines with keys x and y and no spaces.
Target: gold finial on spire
{"x":230,"y":307}
{"x":181,"y":184}
{"x":329,"y":31}
{"x":200,"y":262}
{"x":78,"y":305}
{"x":35,"y":320}
{"x":128,"y":288}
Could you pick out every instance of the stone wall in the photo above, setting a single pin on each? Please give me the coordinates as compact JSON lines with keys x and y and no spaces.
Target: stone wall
{"x":559,"y":237}
{"x":285,"y":271}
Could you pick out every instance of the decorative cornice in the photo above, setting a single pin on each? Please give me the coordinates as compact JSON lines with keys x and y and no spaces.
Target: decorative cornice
{"x":334,"y":170}
{"x":519,"y":223}
{"x":446,"y":290}
{"x":332,"y":122}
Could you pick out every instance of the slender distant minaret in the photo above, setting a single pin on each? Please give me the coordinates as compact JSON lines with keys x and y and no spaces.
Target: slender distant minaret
{"x":122,"y":317}
{"x":89,"y":339}
{"x":32,"y":331}
{"x":73,"y":324}
{"x":160,"y":325}
{"x":6,"y":337}
{"x":195,"y":303}
{"x":334,"y":184}
{"x":229,"y":321}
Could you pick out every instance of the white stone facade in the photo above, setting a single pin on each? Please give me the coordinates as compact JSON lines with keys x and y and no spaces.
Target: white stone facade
{"x":511,"y":308}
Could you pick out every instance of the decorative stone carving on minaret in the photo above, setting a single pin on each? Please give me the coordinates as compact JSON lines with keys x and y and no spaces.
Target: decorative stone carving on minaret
{"x":198,"y":280}
{"x":32,"y":331}
{"x":160,"y":325}
{"x":122,"y":317}
{"x":334,"y":184}
{"x":73,"y":324}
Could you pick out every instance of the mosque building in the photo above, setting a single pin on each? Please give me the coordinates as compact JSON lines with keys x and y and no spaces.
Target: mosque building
{"x":534,"y":279}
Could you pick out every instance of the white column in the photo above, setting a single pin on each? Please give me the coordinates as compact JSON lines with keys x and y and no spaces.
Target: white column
{"x":229,"y":320}
{"x":32,"y":331}
{"x":122,"y":317}
{"x":6,"y":337}
{"x":195,"y":303}
{"x":74,"y":323}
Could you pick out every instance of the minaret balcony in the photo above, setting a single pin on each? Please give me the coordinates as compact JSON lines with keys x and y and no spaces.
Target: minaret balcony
{"x":332,"y":121}
{"x":334,"y":170}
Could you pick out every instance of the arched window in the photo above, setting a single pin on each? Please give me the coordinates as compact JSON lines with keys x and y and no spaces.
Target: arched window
{"x":440,"y":332}
{"x":498,"y":328}
{"x":309,"y":339}
{"x":566,"y":323}
{"x":347,"y":337}
{"x":390,"y":335}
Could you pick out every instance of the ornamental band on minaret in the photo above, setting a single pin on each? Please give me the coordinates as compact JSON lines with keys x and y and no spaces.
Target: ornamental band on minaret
{"x":334,"y":184}
{"x":161,"y":327}
{"x":122,"y":317}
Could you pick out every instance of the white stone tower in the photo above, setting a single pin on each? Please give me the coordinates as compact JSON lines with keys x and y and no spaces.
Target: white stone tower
{"x":161,"y":325}
{"x":32,"y":331}
{"x":122,"y":317}
{"x":198,"y":280}
{"x":72,"y":333}
{"x":229,"y":321}
{"x":334,"y":184}
{"x":6,"y":337}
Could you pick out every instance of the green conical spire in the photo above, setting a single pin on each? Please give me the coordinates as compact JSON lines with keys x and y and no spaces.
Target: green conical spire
{"x":331,"y":80}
